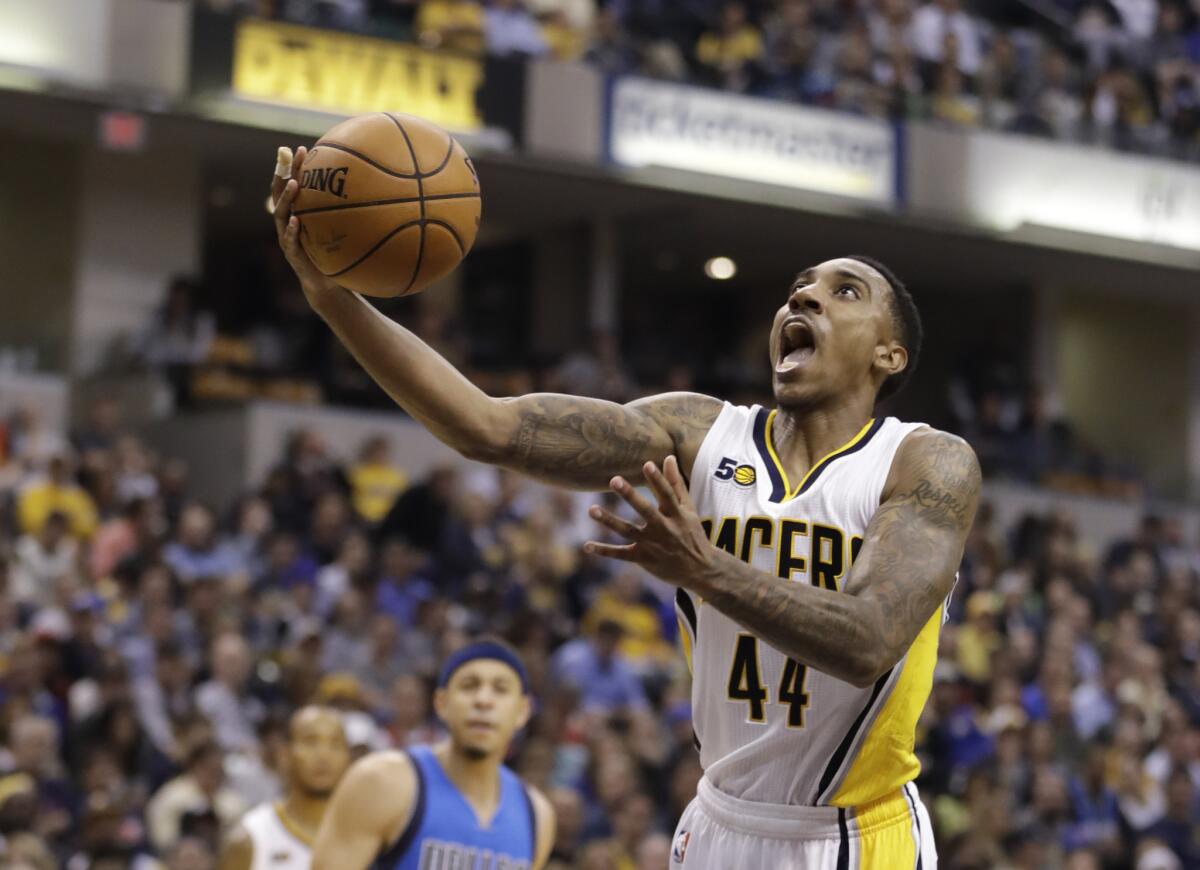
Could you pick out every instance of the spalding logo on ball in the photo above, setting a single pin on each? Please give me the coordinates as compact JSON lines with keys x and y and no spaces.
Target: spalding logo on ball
{"x":388,"y":204}
{"x":327,"y":180}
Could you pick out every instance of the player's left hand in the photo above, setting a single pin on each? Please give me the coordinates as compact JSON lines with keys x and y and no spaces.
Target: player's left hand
{"x":670,"y":542}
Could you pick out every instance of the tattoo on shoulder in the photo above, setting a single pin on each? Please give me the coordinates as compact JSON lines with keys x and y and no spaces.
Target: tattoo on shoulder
{"x":686,"y":416}
{"x":947,"y":481}
{"x":915,"y":540}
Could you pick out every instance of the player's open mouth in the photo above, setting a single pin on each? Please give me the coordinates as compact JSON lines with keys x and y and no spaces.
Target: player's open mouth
{"x":797,"y":344}
{"x":478,"y":725}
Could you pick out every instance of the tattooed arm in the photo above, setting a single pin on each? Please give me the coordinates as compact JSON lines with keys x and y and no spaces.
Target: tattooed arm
{"x":565,"y":440}
{"x":910,"y":553}
{"x":904,"y":571}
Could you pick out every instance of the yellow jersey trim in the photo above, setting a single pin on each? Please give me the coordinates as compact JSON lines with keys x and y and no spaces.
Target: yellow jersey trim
{"x":790,"y":493}
{"x":685,"y":641}
{"x":886,"y":760}
{"x":886,"y":837}
{"x":290,"y":826}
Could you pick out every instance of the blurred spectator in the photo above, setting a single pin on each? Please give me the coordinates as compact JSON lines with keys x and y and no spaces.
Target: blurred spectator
{"x":1137,"y":17}
{"x":889,"y":22}
{"x":225,"y":699}
{"x":331,"y":520}
{"x":101,"y":428}
{"x":568,"y":812}
{"x":454,"y":25}
{"x":306,"y":473}
{"x":247,"y":546}
{"x":196,"y":553}
{"x":31,"y":441}
{"x":163,"y":697}
{"x":509,"y":29}
{"x":45,"y":565}
{"x":133,"y":475}
{"x":978,"y":641}
{"x":375,"y":481}
{"x":854,"y":80}
{"x":578,"y":15}
{"x":1096,"y":820}
{"x":942,"y":31}
{"x":654,"y":852}
{"x":34,"y":760}
{"x":411,"y":717}
{"x":191,"y":853}
{"x":138,"y":525}
{"x":56,"y":493}
{"x":625,"y":602}
{"x":402,"y":590}
{"x":792,"y":49}
{"x":350,"y":569}
{"x":596,"y":669}
{"x":730,"y":54}
{"x":23,"y":851}
{"x":611,"y":48}
{"x":420,"y":513}
{"x":1179,"y":829}
{"x":185,"y":801}
{"x":563,"y":41}
{"x":950,"y":100}
{"x":178,"y":337}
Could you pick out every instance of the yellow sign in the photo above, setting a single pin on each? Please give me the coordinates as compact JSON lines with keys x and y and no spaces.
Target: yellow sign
{"x":338,"y":72}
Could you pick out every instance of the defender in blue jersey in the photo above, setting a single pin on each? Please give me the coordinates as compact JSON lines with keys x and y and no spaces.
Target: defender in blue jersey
{"x":454,"y":806}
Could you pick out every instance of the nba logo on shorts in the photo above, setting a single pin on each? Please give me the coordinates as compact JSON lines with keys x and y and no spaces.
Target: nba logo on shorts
{"x":680,"y":848}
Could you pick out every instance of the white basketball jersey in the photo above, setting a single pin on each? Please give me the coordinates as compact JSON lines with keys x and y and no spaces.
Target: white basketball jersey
{"x":769,"y":729}
{"x":277,"y":846}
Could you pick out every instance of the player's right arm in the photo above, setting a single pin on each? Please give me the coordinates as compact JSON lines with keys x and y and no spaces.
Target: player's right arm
{"x":566,"y":440}
{"x":237,"y":852}
{"x":368,"y":810}
{"x":546,"y":824}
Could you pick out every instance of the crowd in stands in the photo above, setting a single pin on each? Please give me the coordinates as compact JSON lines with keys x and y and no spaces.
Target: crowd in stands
{"x":151,"y":647}
{"x":1124,"y":73}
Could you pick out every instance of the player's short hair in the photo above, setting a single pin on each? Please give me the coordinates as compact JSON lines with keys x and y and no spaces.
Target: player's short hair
{"x":907,"y":321}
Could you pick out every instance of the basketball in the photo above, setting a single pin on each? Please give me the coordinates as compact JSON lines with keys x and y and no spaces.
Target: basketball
{"x":388,"y":204}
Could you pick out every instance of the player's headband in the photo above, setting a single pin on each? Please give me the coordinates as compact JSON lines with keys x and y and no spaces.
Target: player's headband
{"x":484,"y":649}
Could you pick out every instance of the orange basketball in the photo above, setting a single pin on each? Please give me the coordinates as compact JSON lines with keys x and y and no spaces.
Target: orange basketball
{"x":388,"y":204}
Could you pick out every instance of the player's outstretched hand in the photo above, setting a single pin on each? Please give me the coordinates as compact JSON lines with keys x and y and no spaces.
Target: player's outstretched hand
{"x":285,"y":184}
{"x":670,"y":542}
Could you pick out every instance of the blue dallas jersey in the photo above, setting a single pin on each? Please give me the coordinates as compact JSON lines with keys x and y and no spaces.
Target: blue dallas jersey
{"x":445,"y":834}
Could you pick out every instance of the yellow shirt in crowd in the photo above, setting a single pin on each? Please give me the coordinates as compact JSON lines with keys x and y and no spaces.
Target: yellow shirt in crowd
{"x":642,"y":639}
{"x":730,"y":50}
{"x":375,"y":488}
{"x":458,"y":26}
{"x":36,"y":503}
{"x":565,"y":42}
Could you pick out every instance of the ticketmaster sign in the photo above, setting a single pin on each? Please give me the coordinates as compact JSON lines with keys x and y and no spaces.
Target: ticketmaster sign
{"x":658,"y":124}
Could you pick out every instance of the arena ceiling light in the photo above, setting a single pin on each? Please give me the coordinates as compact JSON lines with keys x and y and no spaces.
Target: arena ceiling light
{"x":720,"y":268}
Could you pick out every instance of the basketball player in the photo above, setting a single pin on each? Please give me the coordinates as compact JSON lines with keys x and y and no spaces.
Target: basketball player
{"x":454,"y":805}
{"x":814,"y":547}
{"x":279,"y":835}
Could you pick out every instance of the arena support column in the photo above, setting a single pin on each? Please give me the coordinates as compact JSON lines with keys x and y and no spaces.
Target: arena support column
{"x":604,"y":281}
{"x":138,"y":223}
{"x":1043,"y":358}
{"x":1125,"y":372}
{"x":559,"y":299}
